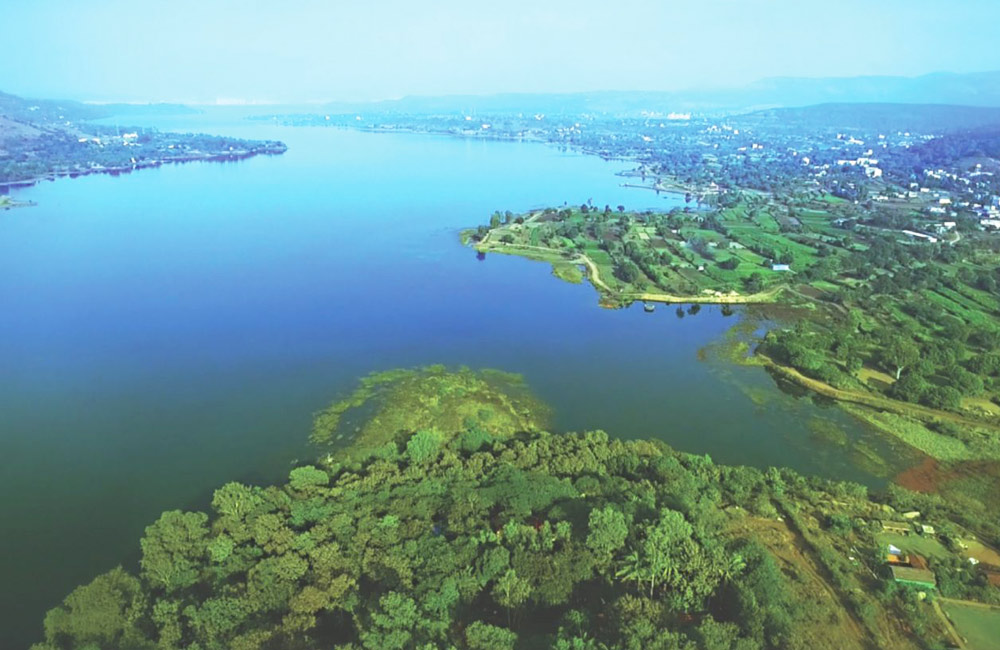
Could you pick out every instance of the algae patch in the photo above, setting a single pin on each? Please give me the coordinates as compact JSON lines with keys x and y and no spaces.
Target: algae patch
{"x":390,"y":403}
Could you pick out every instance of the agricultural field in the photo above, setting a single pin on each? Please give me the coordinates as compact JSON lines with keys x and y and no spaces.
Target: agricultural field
{"x":980,"y":626}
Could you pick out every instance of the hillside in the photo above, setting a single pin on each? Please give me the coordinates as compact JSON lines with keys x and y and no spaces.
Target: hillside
{"x":874,"y":117}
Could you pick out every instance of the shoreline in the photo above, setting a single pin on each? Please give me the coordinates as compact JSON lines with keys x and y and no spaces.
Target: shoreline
{"x":662,"y":186}
{"x":229,"y":156}
{"x":863,"y":406}
{"x":906,"y":409}
{"x":611,"y":298}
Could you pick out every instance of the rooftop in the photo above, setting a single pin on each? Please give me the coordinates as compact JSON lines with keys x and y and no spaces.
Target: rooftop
{"x":915,"y":576}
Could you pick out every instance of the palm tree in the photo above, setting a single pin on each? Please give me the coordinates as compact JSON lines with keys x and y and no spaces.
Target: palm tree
{"x":734,"y":566}
{"x":632,"y":569}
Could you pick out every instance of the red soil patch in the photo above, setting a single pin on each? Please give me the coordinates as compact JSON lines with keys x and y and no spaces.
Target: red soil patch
{"x":925,"y":477}
{"x":931,"y":476}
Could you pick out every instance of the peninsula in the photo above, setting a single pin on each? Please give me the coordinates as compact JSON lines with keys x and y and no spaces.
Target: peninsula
{"x":456,"y":522}
{"x":44,"y":140}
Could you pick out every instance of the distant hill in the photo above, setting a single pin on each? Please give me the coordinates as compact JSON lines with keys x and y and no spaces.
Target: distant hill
{"x":920,"y":118}
{"x":976,"y":89}
{"x":973,"y":89}
{"x":59,"y":111}
{"x":143,"y":110}
{"x":41,"y":111}
{"x":981,"y":89}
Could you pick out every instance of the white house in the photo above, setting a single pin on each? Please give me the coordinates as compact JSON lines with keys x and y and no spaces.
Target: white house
{"x":920,"y":235}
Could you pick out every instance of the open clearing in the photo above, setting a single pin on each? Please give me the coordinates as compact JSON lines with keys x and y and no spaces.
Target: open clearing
{"x":978,"y":624}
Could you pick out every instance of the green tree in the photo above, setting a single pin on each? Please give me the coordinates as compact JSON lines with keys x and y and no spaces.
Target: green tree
{"x":424,"y":445}
{"x":899,"y":353}
{"x":236,"y":500}
{"x":308,"y":477}
{"x":942,"y":397}
{"x":511,"y":591}
{"x":910,"y":388}
{"x":607,"y":531}
{"x":102,"y":614}
{"x":393,"y":624}
{"x":754,"y":283}
{"x":483,"y":636}
{"x":662,"y":540}
{"x":173,"y":549}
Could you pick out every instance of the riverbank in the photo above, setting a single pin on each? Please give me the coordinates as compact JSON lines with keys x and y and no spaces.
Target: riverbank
{"x":611,"y":297}
{"x":869,"y":400}
{"x":271,"y":149}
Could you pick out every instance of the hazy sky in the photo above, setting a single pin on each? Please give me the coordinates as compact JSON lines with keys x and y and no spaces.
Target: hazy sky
{"x":305,"y":50}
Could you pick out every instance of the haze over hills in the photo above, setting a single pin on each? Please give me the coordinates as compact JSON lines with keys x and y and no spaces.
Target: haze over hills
{"x":980,"y":89}
{"x":920,"y":118}
{"x":975,"y":89}
{"x":59,"y":111}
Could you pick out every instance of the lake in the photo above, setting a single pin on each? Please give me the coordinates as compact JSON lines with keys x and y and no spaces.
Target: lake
{"x":169,"y":330}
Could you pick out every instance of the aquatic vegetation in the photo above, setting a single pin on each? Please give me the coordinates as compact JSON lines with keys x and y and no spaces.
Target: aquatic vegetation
{"x":568,"y":272}
{"x":914,"y":433}
{"x":405,"y":400}
{"x":824,"y":430}
{"x":867,"y":458}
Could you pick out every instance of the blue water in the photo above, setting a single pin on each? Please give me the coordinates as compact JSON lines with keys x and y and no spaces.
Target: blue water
{"x":172,"y":329}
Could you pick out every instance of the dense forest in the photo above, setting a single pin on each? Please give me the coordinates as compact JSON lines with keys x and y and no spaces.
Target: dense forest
{"x":484,"y":539}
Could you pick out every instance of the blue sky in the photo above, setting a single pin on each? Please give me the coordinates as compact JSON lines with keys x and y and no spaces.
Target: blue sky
{"x":306,"y":50}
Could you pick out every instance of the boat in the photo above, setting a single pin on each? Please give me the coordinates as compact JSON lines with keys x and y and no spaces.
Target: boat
{"x":648,"y":307}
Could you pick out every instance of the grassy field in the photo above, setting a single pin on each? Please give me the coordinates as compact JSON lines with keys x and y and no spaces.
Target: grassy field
{"x":979,"y":625}
{"x":690,"y":260}
{"x":925,"y":546}
{"x":915,"y":434}
{"x":567,"y":271}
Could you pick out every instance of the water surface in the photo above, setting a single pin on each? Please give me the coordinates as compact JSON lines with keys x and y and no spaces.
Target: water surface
{"x":169,"y":330}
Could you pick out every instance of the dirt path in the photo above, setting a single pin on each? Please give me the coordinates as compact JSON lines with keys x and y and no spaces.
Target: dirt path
{"x":795,"y":554}
{"x":763,"y":297}
{"x":956,"y":638}
{"x":873,"y":401}
{"x":970,"y":603}
{"x":820,"y":573}
{"x":716,"y":299}
{"x":594,"y":274}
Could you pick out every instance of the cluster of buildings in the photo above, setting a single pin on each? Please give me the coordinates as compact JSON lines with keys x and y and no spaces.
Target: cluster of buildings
{"x":866,"y":163}
{"x":125,"y":139}
{"x":908,"y":568}
{"x":989,"y":214}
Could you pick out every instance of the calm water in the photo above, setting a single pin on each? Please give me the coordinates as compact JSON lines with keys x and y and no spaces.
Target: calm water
{"x":167,"y":331}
